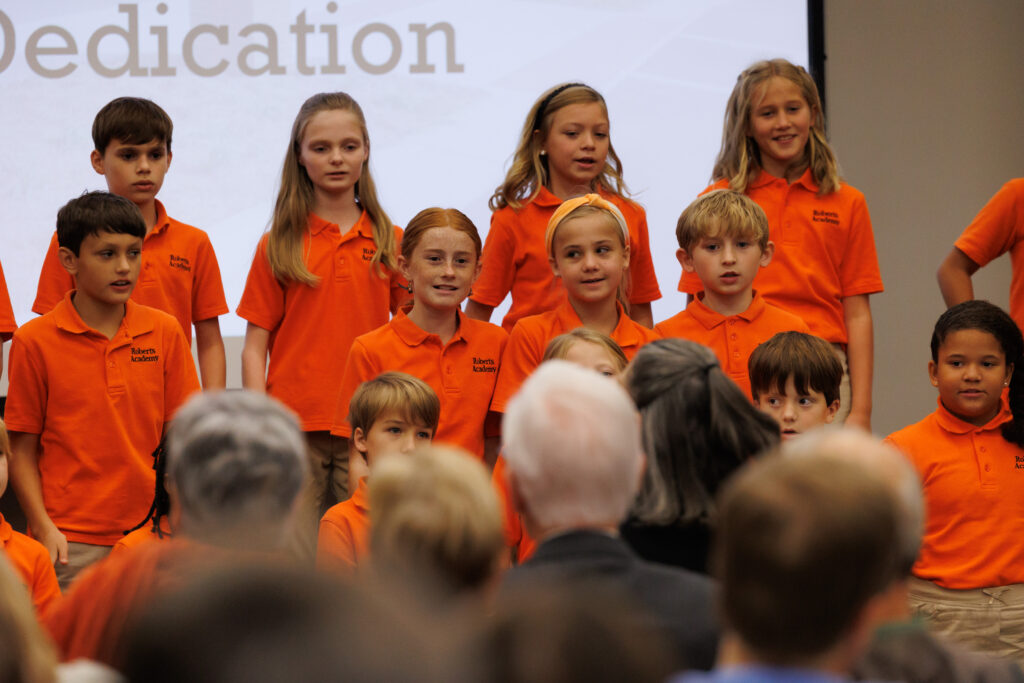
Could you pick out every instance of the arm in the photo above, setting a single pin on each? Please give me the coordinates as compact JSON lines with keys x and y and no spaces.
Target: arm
{"x":478,"y":311}
{"x":210,"y":350}
{"x":860,"y":356}
{"x":24,"y":464}
{"x":955,"y":277}
{"x":642,"y":314}
{"x":254,"y":358}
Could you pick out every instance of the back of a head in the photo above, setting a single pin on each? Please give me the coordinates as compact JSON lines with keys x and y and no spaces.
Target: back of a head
{"x":250,"y":624}
{"x":698,"y":428}
{"x":236,"y":460}
{"x":560,"y":633}
{"x":26,"y":654}
{"x":803,"y":544}
{"x":435,"y":517}
{"x":571,"y":440}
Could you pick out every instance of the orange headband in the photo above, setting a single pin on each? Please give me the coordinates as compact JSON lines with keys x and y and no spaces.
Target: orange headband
{"x":570,"y":205}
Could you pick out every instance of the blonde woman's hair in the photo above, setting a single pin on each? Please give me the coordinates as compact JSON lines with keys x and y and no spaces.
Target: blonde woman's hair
{"x":26,"y":653}
{"x":529,"y":170}
{"x":739,"y":159}
{"x":720,"y":213}
{"x":558,"y":348}
{"x":295,"y":199}
{"x":436,"y":513}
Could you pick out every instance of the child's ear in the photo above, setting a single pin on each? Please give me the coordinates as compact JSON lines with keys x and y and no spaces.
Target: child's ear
{"x":68,"y":260}
{"x":554,"y":266}
{"x":932,"y":373}
{"x":684,"y":260}
{"x":1009,"y":374}
{"x":96,"y":158}
{"x":403,"y":267}
{"x":767,"y":253}
{"x":625,"y":254}
{"x":831,"y":411}
{"x":359,"y":440}
{"x":476,"y":271}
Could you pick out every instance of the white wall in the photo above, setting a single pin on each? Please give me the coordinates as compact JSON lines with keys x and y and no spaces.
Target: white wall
{"x":924,"y":107}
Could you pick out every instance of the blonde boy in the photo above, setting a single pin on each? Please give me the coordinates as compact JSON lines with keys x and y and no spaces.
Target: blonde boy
{"x":723,"y":238}
{"x":795,"y":378}
{"x":180,"y":274}
{"x":392,"y":414}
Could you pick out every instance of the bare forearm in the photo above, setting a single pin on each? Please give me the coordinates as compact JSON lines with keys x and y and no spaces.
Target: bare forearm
{"x":478,"y":311}
{"x":254,"y":358}
{"x":860,"y":356}
{"x":642,"y":314}
{"x":954,"y":277}
{"x":210,"y":350}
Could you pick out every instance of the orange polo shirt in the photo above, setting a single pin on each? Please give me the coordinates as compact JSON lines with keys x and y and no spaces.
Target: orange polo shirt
{"x":144,"y":535}
{"x":344,"y":539}
{"x":32,"y":563}
{"x":515,"y":259}
{"x":999,"y":228}
{"x":531,"y":335}
{"x":7,"y":324}
{"x":312,"y":328}
{"x":462,"y":373}
{"x":179,"y":275}
{"x":824,"y":251}
{"x":515,"y":534}
{"x":733,"y":338}
{"x":99,"y":407}
{"x":973,"y":481}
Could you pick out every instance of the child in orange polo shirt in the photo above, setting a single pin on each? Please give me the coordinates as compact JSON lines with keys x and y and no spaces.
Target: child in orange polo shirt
{"x":7,"y":324}
{"x":723,"y":239}
{"x":825,"y":267}
{"x":998,"y":228}
{"x":179,"y":273}
{"x":324,"y":274}
{"x":564,"y":150}
{"x":457,"y":356}
{"x":28,"y":557}
{"x":795,"y":378}
{"x":393,"y":413}
{"x":970,"y":455}
{"x":588,"y":249}
{"x":92,"y":384}
{"x":582,"y":346}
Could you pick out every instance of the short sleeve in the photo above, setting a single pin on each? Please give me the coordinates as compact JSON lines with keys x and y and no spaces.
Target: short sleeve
{"x":359,"y":367}
{"x":643,"y":279}
{"x":180,"y":379}
{"x":998,"y":227}
{"x":7,"y":324}
{"x":498,"y":270}
{"x":399,"y":294}
{"x":521,"y":358}
{"x":25,"y":410}
{"x":54,"y":281}
{"x":858,"y":272}
{"x":208,"y":299}
{"x":335,"y":546}
{"x":262,"y":301}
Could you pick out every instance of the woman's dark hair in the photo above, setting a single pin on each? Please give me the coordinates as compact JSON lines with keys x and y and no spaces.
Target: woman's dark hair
{"x":987,"y":317}
{"x":698,"y":428}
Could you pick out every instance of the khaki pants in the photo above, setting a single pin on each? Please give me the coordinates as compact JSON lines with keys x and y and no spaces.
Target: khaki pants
{"x":328,"y":484}
{"x":80,"y":556}
{"x":989,"y":620}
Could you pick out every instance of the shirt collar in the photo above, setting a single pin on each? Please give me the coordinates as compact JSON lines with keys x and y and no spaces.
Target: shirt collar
{"x":136,"y":319}
{"x":625,"y":333}
{"x":361,"y":227}
{"x":953,"y":424}
{"x":710,"y":318}
{"x":162,"y":221}
{"x":413,"y":335}
{"x":766,"y":178}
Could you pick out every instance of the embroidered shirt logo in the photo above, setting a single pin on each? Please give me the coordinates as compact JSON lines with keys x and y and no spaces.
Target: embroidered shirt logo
{"x":180,"y":263}
{"x":144,"y":355}
{"x":484,"y":365}
{"x":368,"y":254}
{"x":825,"y":217}
{"x":1019,"y":462}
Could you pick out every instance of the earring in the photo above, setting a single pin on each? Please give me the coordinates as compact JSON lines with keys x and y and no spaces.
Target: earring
{"x":543,"y":152}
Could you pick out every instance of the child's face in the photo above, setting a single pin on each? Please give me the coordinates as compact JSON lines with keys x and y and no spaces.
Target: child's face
{"x":797,"y":412}
{"x":971,"y":374}
{"x":780,"y":123}
{"x":589,"y":257}
{"x":726,"y":265}
{"x":442,"y":268}
{"x":592,"y":356}
{"x":106,"y":268}
{"x":576,"y":147}
{"x":391,"y":433}
{"x":333,"y":151}
{"x":135,"y":172}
